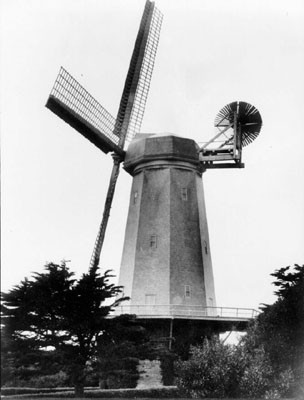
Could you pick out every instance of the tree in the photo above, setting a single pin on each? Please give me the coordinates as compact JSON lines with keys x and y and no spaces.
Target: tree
{"x":53,"y":311}
{"x":280,"y":326}
{"x":119,"y":352}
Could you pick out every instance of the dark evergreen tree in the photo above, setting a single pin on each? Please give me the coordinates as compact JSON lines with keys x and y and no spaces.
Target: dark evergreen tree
{"x":280,"y":326}
{"x":53,"y":311}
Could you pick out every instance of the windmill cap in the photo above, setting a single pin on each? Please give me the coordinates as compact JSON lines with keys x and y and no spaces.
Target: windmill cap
{"x":140,"y":136}
{"x":147,"y":148}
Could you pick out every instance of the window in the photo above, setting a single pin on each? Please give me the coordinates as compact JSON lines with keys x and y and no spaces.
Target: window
{"x":184,"y":194}
{"x":150,"y":299}
{"x":153,"y":241}
{"x":205,"y":247}
{"x":187,"y":291}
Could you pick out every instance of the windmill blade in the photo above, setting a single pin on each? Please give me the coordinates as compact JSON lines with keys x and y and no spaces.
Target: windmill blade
{"x":95,"y":257}
{"x":132,"y":104}
{"x":137,"y":84}
{"x":71,"y":102}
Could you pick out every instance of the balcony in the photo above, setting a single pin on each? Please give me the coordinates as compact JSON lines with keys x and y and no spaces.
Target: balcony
{"x":187,"y":312}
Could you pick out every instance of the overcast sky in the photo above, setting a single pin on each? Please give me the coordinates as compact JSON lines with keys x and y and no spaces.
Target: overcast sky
{"x":210,"y":53}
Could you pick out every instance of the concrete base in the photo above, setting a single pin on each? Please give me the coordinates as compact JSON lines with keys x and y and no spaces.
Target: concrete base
{"x":149,"y":374}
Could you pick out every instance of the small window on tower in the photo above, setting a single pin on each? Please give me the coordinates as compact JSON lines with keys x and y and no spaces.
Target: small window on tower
{"x":150,"y":299}
{"x":187,"y":291}
{"x":135,"y":197}
{"x":205,"y":247}
{"x":153,"y":241}
{"x":184,"y":193}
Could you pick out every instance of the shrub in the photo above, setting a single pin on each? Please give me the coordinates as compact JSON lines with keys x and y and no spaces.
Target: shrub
{"x":218,"y":370}
{"x":49,"y":381}
{"x":58,"y":379}
{"x":167,"y":367}
{"x":118,"y":372}
{"x":257,"y":376}
{"x":210,"y":371}
{"x":281,"y":385}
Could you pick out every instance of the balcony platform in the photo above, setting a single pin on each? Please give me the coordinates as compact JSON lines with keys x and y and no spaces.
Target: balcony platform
{"x":215,"y":319}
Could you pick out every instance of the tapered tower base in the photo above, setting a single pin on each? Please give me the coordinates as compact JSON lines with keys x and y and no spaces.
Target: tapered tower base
{"x":166,"y":263}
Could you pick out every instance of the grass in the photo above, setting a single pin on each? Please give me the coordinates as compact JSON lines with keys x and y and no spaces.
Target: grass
{"x":27,"y":393}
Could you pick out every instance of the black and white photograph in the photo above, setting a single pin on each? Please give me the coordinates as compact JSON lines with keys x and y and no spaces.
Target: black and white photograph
{"x":152,"y":199}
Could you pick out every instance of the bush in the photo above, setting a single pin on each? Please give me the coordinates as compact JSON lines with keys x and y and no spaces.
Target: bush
{"x":209,"y":372}
{"x":49,"y":381}
{"x":58,"y":379}
{"x":218,"y":370}
{"x":119,"y":379}
{"x":257,"y":376}
{"x":167,"y":367}
{"x":118,"y":372}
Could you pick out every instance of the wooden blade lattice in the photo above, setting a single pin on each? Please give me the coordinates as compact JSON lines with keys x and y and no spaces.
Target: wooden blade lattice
{"x":137,"y":84}
{"x":143,"y":86}
{"x":71,"y":102}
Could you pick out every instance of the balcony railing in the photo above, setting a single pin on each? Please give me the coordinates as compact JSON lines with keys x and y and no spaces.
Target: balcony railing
{"x":185,"y":311}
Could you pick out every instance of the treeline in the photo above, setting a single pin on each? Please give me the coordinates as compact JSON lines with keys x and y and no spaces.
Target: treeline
{"x":55,"y":328}
{"x":56,"y":332}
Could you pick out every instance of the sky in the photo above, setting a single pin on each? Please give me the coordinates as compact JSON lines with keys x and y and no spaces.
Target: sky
{"x":54,"y":181}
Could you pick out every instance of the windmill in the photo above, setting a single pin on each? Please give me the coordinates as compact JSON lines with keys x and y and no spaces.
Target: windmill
{"x":71,"y":102}
{"x":166,"y":266}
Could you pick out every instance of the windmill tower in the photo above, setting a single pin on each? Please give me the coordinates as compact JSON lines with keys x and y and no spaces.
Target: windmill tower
{"x":166,"y":266}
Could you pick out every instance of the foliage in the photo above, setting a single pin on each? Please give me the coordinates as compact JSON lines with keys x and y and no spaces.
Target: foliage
{"x":53,"y":311}
{"x":269,"y":360}
{"x":48,"y":381}
{"x":38,"y":381}
{"x":280,"y":326}
{"x":257,"y":376}
{"x":167,"y":359}
{"x":215,"y":369}
{"x":208,"y":371}
{"x":119,"y":351}
{"x":22,"y":366}
{"x":283,"y":322}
